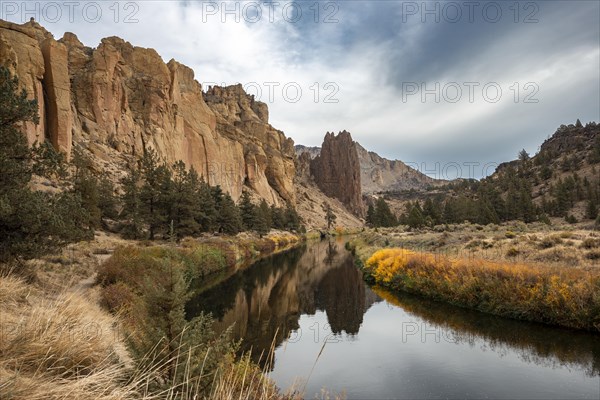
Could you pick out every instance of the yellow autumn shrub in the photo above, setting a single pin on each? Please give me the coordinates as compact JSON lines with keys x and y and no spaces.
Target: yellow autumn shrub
{"x":560,"y":296}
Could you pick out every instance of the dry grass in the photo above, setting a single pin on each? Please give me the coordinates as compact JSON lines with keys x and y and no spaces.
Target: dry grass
{"x":58,"y":348}
{"x":66,"y":347}
{"x":56,"y":342}
{"x":567,"y":297}
{"x":534,"y":243}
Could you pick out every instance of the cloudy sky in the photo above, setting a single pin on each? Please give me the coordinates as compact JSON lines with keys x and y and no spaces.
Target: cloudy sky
{"x":448,"y":83}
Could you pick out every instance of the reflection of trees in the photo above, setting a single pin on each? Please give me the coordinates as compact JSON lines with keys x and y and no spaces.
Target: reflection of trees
{"x":268,"y":298}
{"x":330,"y":253}
{"x":535,"y":343}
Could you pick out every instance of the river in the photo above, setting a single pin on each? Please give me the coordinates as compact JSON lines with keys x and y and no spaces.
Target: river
{"x":331,"y":330}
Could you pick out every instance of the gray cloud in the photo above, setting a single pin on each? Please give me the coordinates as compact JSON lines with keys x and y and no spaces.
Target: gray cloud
{"x":367,"y":50}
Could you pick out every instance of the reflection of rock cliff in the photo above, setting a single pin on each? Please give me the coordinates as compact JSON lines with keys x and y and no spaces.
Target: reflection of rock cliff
{"x":270,"y":297}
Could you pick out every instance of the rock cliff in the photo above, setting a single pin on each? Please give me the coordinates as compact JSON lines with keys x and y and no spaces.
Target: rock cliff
{"x":377,"y":174}
{"x":117,"y":100}
{"x":336,"y":171}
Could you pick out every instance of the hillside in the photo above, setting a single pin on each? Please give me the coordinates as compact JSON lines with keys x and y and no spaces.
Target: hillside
{"x":561,"y":181}
{"x":115,"y":102}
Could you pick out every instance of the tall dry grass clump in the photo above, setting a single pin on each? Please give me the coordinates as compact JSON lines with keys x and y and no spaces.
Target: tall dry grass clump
{"x":567,"y":297}
{"x":59,"y":348}
{"x":66,"y":347}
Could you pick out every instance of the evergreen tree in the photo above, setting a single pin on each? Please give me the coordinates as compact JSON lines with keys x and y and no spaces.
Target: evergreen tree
{"x":523,"y":156}
{"x":228,"y":218}
{"x":370,"y":219}
{"x":451,"y":212}
{"x":415,"y":217}
{"x":31,"y":223}
{"x":383,"y":216}
{"x":263,"y":218}
{"x":592,"y":209}
{"x":432,"y":211}
{"x":156,"y":180}
{"x":207,"y":212}
{"x":277,"y":217}
{"x":330,"y":216}
{"x":107,"y":201}
{"x":86,"y":186}
{"x":292,"y":219}
{"x":248,"y":211}
{"x":131,"y":214}
{"x":183,"y":201}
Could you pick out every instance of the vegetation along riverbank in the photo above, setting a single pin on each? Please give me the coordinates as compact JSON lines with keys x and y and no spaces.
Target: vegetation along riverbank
{"x":447,"y":266}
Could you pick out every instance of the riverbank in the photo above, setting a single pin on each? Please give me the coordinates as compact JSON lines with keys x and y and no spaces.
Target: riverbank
{"x":554,"y":293}
{"x":127,"y":337}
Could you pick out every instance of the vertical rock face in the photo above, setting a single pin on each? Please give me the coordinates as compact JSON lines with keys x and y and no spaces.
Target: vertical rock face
{"x":117,"y":100}
{"x":20,"y":52}
{"x":336,"y":171}
{"x":58,"y":95}
{"x":268,"y":154}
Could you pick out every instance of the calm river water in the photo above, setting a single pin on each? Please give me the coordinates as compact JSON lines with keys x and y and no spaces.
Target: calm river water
{"x":333,"y":331}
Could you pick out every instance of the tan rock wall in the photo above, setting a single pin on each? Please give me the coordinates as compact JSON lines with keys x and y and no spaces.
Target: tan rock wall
{"x":118,"y":99}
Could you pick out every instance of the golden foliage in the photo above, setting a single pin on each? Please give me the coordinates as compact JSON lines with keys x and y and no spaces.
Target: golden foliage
{"x":561,"y":296}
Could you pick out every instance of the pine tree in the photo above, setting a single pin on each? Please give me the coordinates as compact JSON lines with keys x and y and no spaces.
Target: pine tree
{"x":86,"y":186}
{"x":277,"y":217}
{"x":183,"y":201}
{"x":229,"y":219}
{"x":207,"y":212}
{"x":293,"y":222}
{"x":107,"y":201}
{"x":523,"y":156}
{"x":248,"y":211}
{"x":263,"y":218}
{"x":330,"y":216}
{"x":31,"y":223}
{"x":432,"y":210}
{"x":370,"y":215}
{"x":154,"y":192}
{"x":383,"y":216}
{"x":15,"y":154}
{"x":131,"y":214}
{"x":415,"y":217}
{"x":592,"y":209}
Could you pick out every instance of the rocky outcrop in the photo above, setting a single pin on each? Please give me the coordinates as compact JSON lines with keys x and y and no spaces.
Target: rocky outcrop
{"x":268,"y":154}
{"x":21,"y":53}
{"x":56,"y":82}
{"x":117,"y":100}
{"x":336,"y":171}
{"x":379,"y":174}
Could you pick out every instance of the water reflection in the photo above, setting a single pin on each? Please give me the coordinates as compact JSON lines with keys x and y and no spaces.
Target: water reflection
{"x":285,"y":295}
{"x":266,"y":300}
{"x":534,"y":343}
